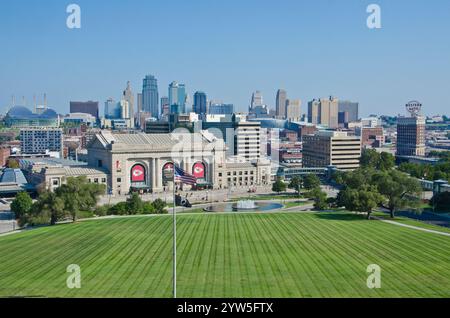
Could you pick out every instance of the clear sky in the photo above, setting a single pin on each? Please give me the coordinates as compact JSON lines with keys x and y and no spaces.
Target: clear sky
{"x":229,"y":49}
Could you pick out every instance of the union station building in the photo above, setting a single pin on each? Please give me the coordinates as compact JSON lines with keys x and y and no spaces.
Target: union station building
{"x":144,"y":162}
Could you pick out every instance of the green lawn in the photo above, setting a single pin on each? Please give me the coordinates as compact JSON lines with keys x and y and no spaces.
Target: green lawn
{"x":227,"y":255}
{"x":409,"y":221}
{"x":291,"y":204}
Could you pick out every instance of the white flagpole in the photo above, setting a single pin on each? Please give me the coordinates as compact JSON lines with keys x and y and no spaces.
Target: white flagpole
{"x":174,"y":239}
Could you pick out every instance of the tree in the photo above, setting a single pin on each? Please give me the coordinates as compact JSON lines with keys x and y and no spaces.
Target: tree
{"x":370,"y":158}
{"x":441,"y":201}
{"x":13,"y":164}
{"x":21,"y":206}
{"x":159,"y":206}
{"x":48,"y":208}
{"x":296,"y":183}
{"x":387,"y":161}
{"x":278,"y":186}
{"x":148,"y":208}
{"x":320,"y":199}
{"x":364,"y":199}
{"x":400,"y":190}
{"x":311,"y":181}
{"x":120,"y":208}
{"x":135,"y":204}
{"x":78,"y":194}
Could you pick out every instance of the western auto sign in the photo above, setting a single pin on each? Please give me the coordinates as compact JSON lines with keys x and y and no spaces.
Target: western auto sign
{"x":137,"y":173}
{"x":198,"y":170}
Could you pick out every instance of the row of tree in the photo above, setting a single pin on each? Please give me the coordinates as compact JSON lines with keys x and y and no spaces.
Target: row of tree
{"x":133,"y":205}
{"x":67,"y":201}
{"x":377,"y":184}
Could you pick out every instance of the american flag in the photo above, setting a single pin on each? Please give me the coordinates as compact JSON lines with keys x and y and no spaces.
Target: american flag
{"x":184,"y":177}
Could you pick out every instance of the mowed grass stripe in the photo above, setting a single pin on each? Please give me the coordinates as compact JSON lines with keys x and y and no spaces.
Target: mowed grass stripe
{"x":381,"y":242}
{"x":227,"y":255}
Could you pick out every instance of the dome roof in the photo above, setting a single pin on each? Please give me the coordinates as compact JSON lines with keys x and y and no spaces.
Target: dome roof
{"x":13,"y":176}
{"x":49,"y":113}
{"x":22,"y":112}
{"x":19,"y":111}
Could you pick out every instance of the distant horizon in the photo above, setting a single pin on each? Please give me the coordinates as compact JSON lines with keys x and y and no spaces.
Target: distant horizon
{"x":229,"y":50}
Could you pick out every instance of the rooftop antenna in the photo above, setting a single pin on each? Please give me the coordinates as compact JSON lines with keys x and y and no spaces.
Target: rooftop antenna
{"x":34,"y":102}
{"x":23,"y":101}
{"x":45,"y":101}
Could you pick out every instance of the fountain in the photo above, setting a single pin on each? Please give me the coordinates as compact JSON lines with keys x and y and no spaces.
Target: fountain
{"x":245,"y":205}
{"x":242,"y":206}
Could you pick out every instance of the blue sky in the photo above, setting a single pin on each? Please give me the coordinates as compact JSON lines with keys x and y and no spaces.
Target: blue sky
{"x":229,"y":49}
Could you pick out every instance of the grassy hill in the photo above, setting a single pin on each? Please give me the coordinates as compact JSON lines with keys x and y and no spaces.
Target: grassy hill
{"x":227,"y":255}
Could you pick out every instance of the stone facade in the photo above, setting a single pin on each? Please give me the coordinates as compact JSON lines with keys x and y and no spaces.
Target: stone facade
{"x":143,"y":161}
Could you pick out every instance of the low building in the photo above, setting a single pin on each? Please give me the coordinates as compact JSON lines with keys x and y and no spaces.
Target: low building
{"x":371,"y":136}
{"x":331,"y":148}
{"x":13,"y":181}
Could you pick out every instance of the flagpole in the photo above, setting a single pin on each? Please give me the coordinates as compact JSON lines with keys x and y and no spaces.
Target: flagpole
{"x":174,"y":218}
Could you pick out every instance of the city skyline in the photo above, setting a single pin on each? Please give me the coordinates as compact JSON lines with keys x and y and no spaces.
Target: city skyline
{"x":381,"y":69}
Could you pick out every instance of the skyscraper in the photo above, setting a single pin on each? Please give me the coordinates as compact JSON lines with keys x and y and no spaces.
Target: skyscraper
{"x":257,"y":99}
{"x":351,"y":108}
{"x":220,"y":109}
{"x":199,"y":106}
{"x":324,"y":112}
{"x":129,"y":97}
{"x":139,"y":102}
{"x":177,"y":97}
{"x":281,"y":104}
{"x":150,"y":97}
{"x":313,"y":112}
{"x":112,"y":109}
{"x":165,"y":106}
{"x":293,"y":110}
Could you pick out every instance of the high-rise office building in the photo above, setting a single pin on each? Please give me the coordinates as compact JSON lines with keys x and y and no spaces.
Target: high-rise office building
{"x":331,"y":148}
{"x":352,"y":108}
{"x":89,"y":107}
{"x":247,"y":140}
{"x":129,"y":97}
{"x":219,"y":109}
{"x":293,"y":109}
{"x":324,"y":112}
{"x":112,"y":109}
{"x":177,"y":98}
{"x":411,"y":132}
{"x":150,"y":96}
{"x":281,"y":104}
{"x":199,"y":106}
{"x":124,"y":107}
{"x":257,"y":99}
{"x":165,"y":106}
{"x":139,"y":102}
